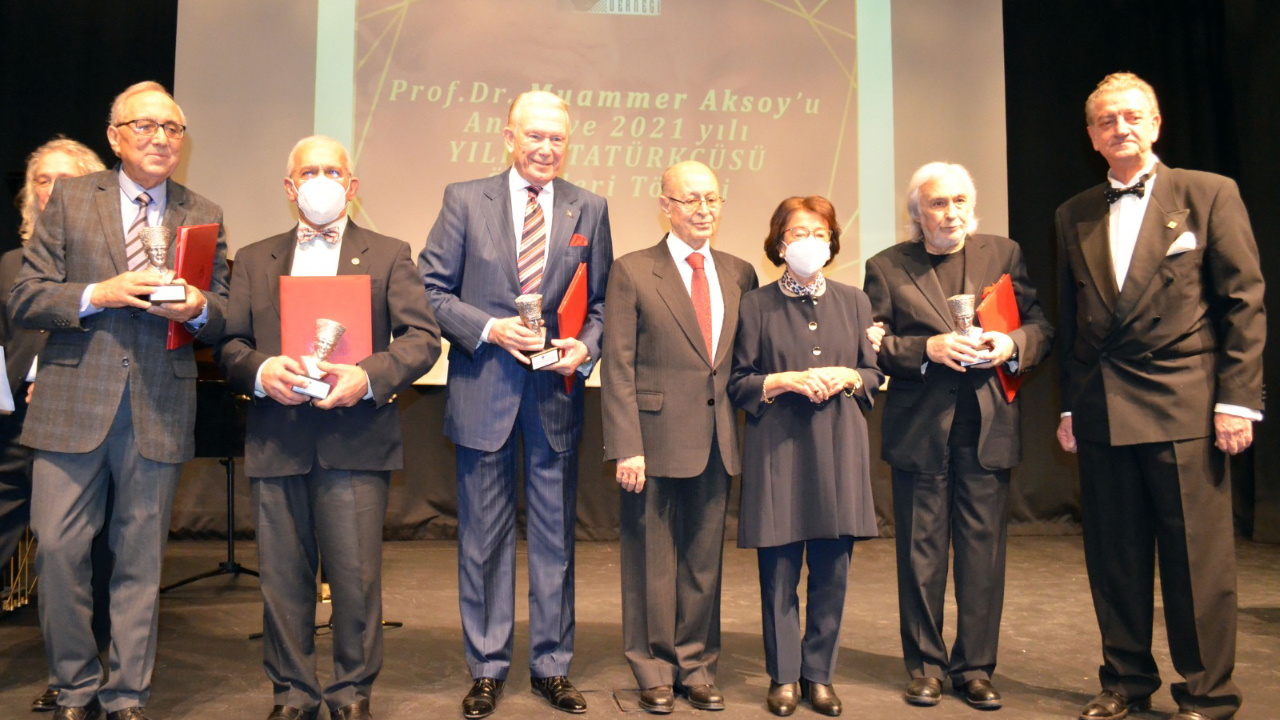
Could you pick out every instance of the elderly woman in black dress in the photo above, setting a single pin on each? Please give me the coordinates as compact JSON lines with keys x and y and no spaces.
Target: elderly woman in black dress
{"x":804,"y":372}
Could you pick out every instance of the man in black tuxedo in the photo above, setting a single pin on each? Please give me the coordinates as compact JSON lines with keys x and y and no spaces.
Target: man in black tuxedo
{"x":1162,"y":329}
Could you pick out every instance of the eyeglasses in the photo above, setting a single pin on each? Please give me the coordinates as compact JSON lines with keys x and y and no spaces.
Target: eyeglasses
{"x":800,"y":233}
{"x":713,"y":203}
{"x":147,"y":128}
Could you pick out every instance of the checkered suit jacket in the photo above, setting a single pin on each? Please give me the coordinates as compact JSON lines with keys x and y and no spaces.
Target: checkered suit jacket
{"x":88,"y":362}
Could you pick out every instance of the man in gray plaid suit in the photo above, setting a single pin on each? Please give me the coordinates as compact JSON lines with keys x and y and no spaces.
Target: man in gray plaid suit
{"x":113,"y":407}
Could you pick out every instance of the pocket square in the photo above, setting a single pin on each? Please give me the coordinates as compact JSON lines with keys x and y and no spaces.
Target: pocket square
{"x":1186,"y":241}
{"x":579,"y":240}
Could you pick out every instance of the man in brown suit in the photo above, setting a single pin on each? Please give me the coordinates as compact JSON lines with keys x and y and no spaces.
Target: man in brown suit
{"x":1160,"y":346}
{"x":113,"y":406}
{"x":671,"y":315}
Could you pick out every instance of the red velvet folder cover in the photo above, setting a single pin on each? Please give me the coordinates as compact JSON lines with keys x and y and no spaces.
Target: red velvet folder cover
{"x":999,"y":312}
{"x":344,"y":298}
{"x":573,"y":312}
{"x":193,"y":254}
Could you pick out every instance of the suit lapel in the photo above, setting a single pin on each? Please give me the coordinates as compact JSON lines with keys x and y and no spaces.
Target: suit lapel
{"x":977,"y":266}
{"x":1095,"y":246}
{"x":108,"y":202}
{"x":352,"y":255}
{"x":1161,"y":225}
{"x":281,"y":263}
{"x":672,"y":291}
{"x":732,"y":296}
{"x":920,"y":270}
{"x":564,"y":218}
{"x":501,"y":226}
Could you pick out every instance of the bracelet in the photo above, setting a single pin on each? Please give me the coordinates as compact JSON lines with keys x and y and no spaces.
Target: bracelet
{"x":764,"y":394}
{"x":857,"y":384}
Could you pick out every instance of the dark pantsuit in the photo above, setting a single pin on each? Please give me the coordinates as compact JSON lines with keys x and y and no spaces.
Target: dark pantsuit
{"x":787,"y":656}
{"x":965,"y":508}
{"x":334,"y":517}
{"x":487,"y":549}
{"x":1170,"y":497}
{"x":68,"y":507}
{"x":672,"y":548}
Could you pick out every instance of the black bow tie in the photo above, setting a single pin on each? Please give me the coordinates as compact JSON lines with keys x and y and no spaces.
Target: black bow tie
{"x":1138,"y":189}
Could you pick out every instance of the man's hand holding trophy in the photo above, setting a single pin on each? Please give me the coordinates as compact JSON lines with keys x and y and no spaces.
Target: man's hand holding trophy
{"x":328,"y":334}
{"x":155,"y":242}
{"x":529,"y":307}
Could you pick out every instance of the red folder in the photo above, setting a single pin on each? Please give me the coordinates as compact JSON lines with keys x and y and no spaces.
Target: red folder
{"x":193,"y":255}
{"x":573,"y":312}
{"x":998,"y":312}
{"x":345,"y":298}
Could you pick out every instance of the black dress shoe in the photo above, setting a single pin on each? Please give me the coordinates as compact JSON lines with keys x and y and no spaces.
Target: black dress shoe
{"x":87,"y":712}
{"x":285,"y":712}
{"x":1189,"y":715}
{"x":703,"y":697}
{"x":658,"y":700}
{"x":783,"y":698}
{"x":354,"y":711}
{"x":823,"y":698}
{"x":924,"y":691}
{"x":133,"y":713}
{"x":482,"y":699}
{"x":1108,"y":705}
{"x":560,"y":693}
{"x":46,"y":701}
{"x":980,"y":694}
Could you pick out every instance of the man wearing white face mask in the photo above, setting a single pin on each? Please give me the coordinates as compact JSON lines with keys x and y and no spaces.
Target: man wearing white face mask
{"x":949,"y":433}
{"x":320,"y":470}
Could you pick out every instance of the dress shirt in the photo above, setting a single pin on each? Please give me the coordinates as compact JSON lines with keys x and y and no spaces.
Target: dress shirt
{"x":518,"y":190}
{"x":680,"y":251}
{"x":1125,"y":220}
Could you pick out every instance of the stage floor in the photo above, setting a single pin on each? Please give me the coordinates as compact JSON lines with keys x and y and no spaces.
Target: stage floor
{"x":207,"y":667}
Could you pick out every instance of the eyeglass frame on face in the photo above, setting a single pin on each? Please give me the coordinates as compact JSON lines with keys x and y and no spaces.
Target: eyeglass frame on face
{"x":172,"y":130}
{"x":692,"y":206}
{"x":825,"y":235}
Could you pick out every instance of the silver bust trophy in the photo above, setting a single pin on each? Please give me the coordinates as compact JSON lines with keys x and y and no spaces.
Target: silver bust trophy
{"x":328,"y":334}
{"x":962,"y":319}
{"x":155,"y":242}
{"x":529,"y":307}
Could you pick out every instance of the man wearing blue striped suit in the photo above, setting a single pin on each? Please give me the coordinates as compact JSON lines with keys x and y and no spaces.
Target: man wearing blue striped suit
{"x":521,"y":231}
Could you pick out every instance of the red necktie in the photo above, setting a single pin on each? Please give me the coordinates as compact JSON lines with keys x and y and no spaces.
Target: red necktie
{"x":701,"y":295}
{"x":533,"y":242}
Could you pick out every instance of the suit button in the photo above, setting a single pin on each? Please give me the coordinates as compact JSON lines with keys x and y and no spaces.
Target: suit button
{"x":711,"y":401}
{"x":713,"y":373}
{"x":817,"y":350}
{"x":125,"y":362}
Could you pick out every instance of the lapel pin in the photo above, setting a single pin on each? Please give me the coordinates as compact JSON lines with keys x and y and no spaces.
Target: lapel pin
{"x":1172,"y":224}
{"x":568,"y":213}
{"x":355,"y":261}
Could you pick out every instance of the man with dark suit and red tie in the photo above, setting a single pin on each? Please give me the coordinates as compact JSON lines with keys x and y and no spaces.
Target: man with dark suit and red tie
{"x":113,"y":407}
{"x":321,"y":468}
{"x":672,"y":316}
{"x":522,"y":231}
{"x":1160,"y":345}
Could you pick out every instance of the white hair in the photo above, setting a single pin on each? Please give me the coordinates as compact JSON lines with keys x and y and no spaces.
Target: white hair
{"x":929,"y":173}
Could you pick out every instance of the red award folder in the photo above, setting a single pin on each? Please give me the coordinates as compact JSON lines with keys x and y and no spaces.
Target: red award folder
{"x":193,"y":254}
{"x":345,"y":298}
{"x":998,"y":311}
{"x":573,"y":312}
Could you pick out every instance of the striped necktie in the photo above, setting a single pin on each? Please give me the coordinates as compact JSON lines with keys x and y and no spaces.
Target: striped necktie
{"x":531,"y":257}
{"x":135,"y":254}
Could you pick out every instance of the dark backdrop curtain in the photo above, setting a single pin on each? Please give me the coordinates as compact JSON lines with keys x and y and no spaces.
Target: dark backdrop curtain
{"x":1215,"y":67}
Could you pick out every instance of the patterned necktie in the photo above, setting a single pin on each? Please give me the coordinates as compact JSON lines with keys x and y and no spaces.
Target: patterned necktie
{"x":533,"y":243}
{"x":306,"y":234}
{"x":135,"y":254}
{"x":700,"y":292}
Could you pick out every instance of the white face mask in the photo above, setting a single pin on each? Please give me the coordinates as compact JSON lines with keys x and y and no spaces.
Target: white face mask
{"x":322,"y":200}
{"x":806,"y":257}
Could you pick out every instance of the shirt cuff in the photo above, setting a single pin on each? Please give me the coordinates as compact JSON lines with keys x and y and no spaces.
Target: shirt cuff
{"x":1238,"y":411}
{"x":257,"y":382}
{"x":197,"y":322}
{"x":484,"y":334}
{"x":368,"y":393}
{"x":86,"y":307}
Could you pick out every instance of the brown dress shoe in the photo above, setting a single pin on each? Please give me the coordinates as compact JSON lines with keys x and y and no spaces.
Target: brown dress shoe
{"x":482,"y":699}
{"x":980,"y":694}
{"x":822,"y":697}
{"x":1189,"y":715}
{"x":86,"y":712}
{"x":131,"y":713}
{"x":703,"y":697}
{"x":1108,"y":705}
{"x":658,"y":700}
{"x":285,"y":712}
{"x":783,"y":698}
{"x":924,"y":691}
{"x":46,"y":701}
{"x":354,"y":711}
{"x":560,"y":693}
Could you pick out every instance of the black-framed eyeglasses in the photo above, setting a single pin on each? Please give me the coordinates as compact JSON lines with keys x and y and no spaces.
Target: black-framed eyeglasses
{"x":713,"y":203}
{"x":147,"y":128}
